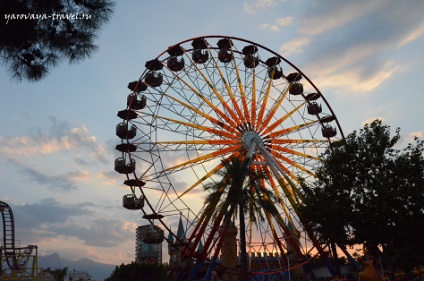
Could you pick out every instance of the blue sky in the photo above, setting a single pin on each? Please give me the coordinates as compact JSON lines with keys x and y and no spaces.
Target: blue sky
{"x":57,"y":136}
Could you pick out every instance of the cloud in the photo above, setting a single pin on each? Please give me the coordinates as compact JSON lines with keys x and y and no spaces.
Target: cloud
{"x":295,"y":46}
{"x":285,"y":21}
{"x":110,"y":178}
{"x":329,"y":15}
{"x":369,"y":120}
{"x":253,"y":7}
{"x":356,"y":44}
{"x":59,"y":138}
{"x":355,"y":79}
{"x":64,"y":182}
{"x":268,"y":26}
{"x":38,"y":217}
{"x":281,"y":22}
{"x":50,"y":219}
{"x":101,"y":233}
{"x":413,"y":35}
{"x":410,"y":138}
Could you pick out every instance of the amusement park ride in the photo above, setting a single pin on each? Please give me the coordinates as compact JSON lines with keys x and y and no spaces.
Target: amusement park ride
{"x":202,"y":102}
{"x":17,"y":263}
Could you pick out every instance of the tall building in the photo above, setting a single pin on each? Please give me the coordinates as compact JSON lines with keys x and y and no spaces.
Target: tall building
{"x":149,"y":240}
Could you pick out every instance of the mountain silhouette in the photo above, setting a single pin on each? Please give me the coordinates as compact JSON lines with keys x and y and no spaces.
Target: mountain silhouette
{"x":97,"y":271}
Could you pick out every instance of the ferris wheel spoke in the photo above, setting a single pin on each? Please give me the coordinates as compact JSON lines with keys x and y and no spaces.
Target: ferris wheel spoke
{"x":230,"y":93}
{"x":285,"y":209}
{"x":293,"y":152}
{"x":219,"y":96}
{"x":278,"y":194}
{"x":264,"y":105}
{"x":213,"y":131}
{"x":198,"y":111}
{"x":284,"y":118}
{"x":253,"y":101}
{"x":202,"y":113}
{"x":273,"y":111}
{"x":242,"y":93}
{"x":209,"y":156}
{"x":291,"y":129}
{"x":270,"y":220}
{"x":199,"y":142}
{"x":293,"y":163}
{"x":208,"y":175}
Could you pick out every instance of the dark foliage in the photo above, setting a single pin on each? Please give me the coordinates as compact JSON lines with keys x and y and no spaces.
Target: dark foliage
{"x":138,"y":272}
{"x":36,"y":34}
{"x":369,"y":192}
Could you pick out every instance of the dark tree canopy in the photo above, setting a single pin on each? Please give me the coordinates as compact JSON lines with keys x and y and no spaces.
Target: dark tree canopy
{"x":138,"y":272}
{"x":370,"y":192}
{"x":36,"y":34}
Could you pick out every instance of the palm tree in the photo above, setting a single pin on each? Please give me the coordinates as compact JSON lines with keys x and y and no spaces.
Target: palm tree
{"x":240,"y":187}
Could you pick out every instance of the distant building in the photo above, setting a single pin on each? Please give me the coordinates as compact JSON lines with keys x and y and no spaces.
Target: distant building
{"x":48,"y":275}
{"x":75,"y":275}
{"x":149,"y":240}
{"x":175,"y":248}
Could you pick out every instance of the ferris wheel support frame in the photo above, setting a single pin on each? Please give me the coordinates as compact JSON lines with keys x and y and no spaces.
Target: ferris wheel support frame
{"x":217,"y":106}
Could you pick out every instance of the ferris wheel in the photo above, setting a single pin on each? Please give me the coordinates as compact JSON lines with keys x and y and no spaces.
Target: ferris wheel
{"x":201,"y":103}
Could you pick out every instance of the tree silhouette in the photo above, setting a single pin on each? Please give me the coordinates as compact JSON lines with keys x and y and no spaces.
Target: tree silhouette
{"x":36,"y":34}
{"x":59,"y":274}
{"x":138,"y":272}
{"x":370,"y":192}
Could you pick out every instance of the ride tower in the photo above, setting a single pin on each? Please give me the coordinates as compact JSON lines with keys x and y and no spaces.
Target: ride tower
{"x":17,"y":263}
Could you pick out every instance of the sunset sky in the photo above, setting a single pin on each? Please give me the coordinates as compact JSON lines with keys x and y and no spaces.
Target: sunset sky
{"x":57,"y":136}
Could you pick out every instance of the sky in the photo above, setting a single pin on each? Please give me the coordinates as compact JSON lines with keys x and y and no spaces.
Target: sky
{"x":57,"y":136}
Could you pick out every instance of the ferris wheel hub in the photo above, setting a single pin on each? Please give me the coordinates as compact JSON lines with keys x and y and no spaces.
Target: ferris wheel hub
{"x":251,"y":137}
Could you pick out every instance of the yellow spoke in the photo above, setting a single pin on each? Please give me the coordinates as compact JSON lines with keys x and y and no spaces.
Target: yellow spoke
{"x":283,"y":141}
{"x":293,"y":163}
{"x":230,"y":92}
{"x":199,"y":127}
{"x":282,"y":119}
{"x":210,"y":118}
{"x":278,"y":218}
{"x":217,"y":94}
{"x":291,"y":129}
{"x":293,"y":191}
{"x":202,"y":179}
{"x":211,"y":142}
{"x":274,"y":110}
{"x":208,"y":102}
{"x":291,"y":151}
{"x":276,"y":191}
{"x":253,"y":105}
{"x":242,"y":94}
{"x":288,"y":192}
{"x":264,"y":103}
{"x":207,"y":175}
{"x":208,"y":156}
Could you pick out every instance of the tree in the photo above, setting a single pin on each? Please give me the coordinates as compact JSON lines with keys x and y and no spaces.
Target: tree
{"x":36,"y":34}
{"x":370,"y":192}
{"x":243,"y":193}
{"x":59,"y":274}
{"x":138,"y":272}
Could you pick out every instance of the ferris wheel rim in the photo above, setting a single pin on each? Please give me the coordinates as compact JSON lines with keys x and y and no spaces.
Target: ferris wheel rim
{"x":247,"y":136}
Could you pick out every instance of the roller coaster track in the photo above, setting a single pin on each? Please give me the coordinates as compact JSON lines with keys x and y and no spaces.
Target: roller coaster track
{"x":16,"y":258}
